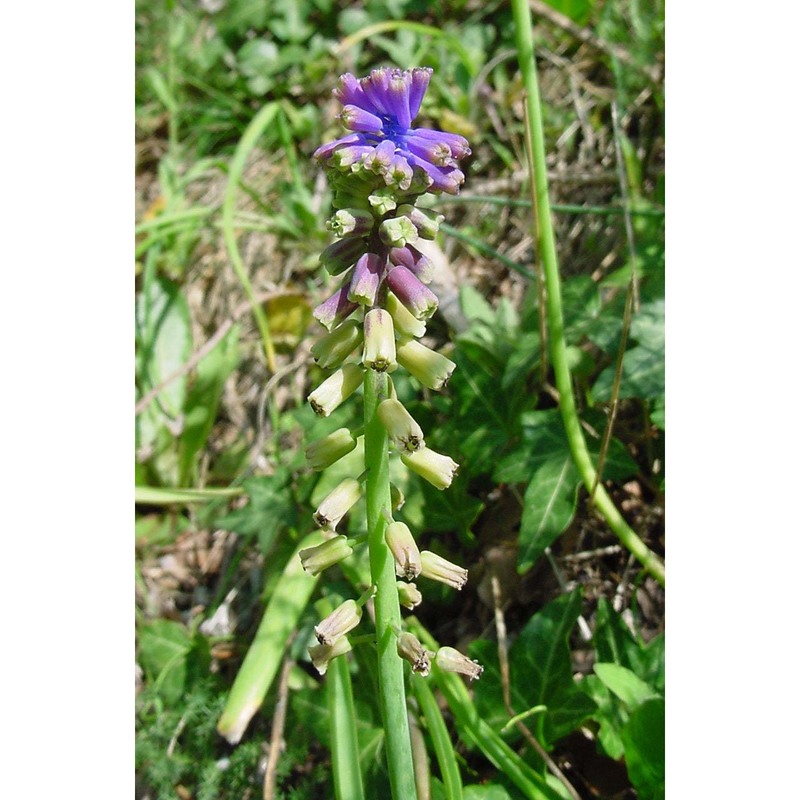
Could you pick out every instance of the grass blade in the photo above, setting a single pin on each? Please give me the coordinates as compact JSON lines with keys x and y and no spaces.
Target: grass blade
{"x":344,"y":742}
{"x":261,"y":663}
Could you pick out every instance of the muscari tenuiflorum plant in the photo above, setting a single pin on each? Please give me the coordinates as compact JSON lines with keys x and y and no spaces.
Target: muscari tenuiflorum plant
{"x":375,"y":319}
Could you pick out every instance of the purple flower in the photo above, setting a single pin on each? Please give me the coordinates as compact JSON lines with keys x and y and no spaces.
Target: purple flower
{"x":379,"y":110}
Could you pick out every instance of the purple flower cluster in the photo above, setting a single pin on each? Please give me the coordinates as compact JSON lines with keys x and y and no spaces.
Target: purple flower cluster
{"x":378,"y":172}
{"x":379,"y":109}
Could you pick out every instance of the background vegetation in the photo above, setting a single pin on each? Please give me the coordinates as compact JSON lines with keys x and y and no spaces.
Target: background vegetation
{"x":230,"y":212}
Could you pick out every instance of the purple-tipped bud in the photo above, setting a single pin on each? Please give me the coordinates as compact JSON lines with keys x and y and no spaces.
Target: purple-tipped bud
{"x":351,"y":221}
{"x":411,"y":292}
{"x":404,"y":549}
{"x":430,"y":368}
{"x":432,"y":150}
{"x":340,"y":622}
{"x":342,"y":254}
{"x":426,"y":223}
{"x":440,"y":569}
{"x":333,"y":391}
{"x":345,"y":157}
{"x":403,"y":429}
{"x":379,"y":347}
{"x":437,"y":469}
{"x":331,"y":510}
{"x":410,"y":648}
{"x":334,"y":347}
{"x":335,"y":309}
{"x":458,"y":145}
{"x":408,"y":594}
{"x":358,"y":119}
{"x":413,"y":260}
{"x":366,"y":279}
{"x":323,"y":654}
{"x":380,"y":157}
{"x":319,"y":558}
{"x":420,"y":78}
{"x":399,"y":174}
{"x":405,"y":323}
{"x":327,"y":149}
{"x":329,"y":449}
{"x":398,"y":231}
{"x":450,"y":660}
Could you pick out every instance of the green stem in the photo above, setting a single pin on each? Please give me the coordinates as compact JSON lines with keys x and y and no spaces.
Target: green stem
{"x":555,"y":320}
{"x":344,"y":743}
{"x":387,"y":606}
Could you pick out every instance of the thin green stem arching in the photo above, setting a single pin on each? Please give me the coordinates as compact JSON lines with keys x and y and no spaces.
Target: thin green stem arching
{"x":555,"y":320}
{"x":344,"y":742}
{"x":391,"y":679}
{"x":260,"y":122}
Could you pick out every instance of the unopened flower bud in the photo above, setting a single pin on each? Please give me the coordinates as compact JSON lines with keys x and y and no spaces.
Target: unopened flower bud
{"x":322,"y":654}
{"x":351,"y":221}
{"x":410,"y":648}
{"x":379,"y":158}
{"x":398,"y":231}
{"x":336,"y":308}
{"x":401,"y":426}
{"x":379,"y":348}
{"x":404,"y":549}
{"x":399,"y":173}
{"x":342,"y":254}
{"x":330,"y":552}
{"x":413,"y":259}
{"x":333,"y":391}
{"x":337,"y":624}
{"x":426,"y":223}
{"x":439,"y":470}
{"x":440,"y":569}
{"x":412,"y":292}
{"x":329,"y":449}
{"x":410,"y":597}
{"x":430,"y":368}
{"x":333,"y":348}
{"x":366,"y":279}
{"x":450,"y":660}
{"x":405,"y":323}
{"x":337,"y":504}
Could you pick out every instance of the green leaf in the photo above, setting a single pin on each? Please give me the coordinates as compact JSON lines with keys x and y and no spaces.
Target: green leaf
{"x":577,"y":10}
{"x":164,"y":647}
{"x":475,"y":306}
{"x":632,"y":690}
{"x":450,"y":510}
{"x":490,"y":791}
{"x":271,"y":509}
{"x":165,"y":337}
{"x":643,"y":737}
{"x":610,"y":714}
{"x":550,"y":502}
{"x":541,"y":673}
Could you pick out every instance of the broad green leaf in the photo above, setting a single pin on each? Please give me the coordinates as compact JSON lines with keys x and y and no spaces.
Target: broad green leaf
{"x":610,"y":714}
{"x":164,"y":647}
{"x":202,"y":402}
{"x":643,"y":737}
{"x":541,"y":674}
{"x":550,"y":501}
{"x":632,"y":690}
{"x":475,"y":306}
{"x":450,"y":510}
{"x":165,"y":342}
